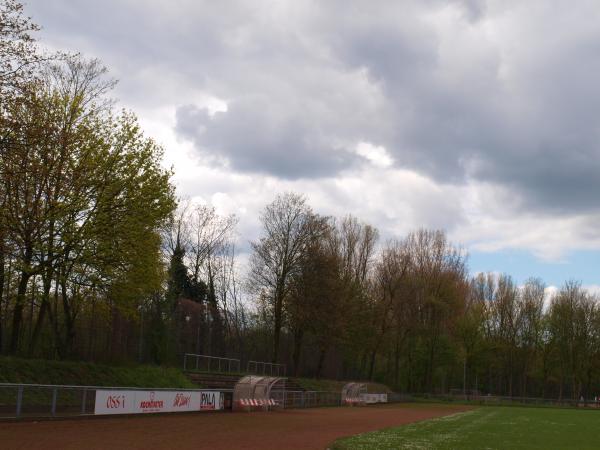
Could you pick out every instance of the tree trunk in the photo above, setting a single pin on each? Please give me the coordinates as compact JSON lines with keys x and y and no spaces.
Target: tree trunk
{"x":321,"y":361}
{"x":18,"y":312}
{"x":397,"y":362}
{"x":47,"y":275}
{"x":216,"y":329}
{"x":560,"y":389}
{"x":69,"y":334}
{"x":430,"y":363}
{"x":298,"y":335}
{"x":372,"y":364}
{"x":2,"y":278}
{"x":277,"y":325}
{"x":44,"y":307}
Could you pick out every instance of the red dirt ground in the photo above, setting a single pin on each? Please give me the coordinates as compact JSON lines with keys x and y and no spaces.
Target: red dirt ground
{"x":290,"y":429}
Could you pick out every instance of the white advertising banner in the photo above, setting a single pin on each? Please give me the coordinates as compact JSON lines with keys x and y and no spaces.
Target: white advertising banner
{"x":141,"y":402}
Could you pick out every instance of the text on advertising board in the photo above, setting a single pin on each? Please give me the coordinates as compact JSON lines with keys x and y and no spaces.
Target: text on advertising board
{"x":140,"y":402}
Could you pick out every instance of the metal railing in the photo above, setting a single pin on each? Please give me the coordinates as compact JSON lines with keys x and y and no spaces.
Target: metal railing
{"x":395,"y":397}
{"x":505,"y":400}
{"x":205,"y":363}
{"x":266,"y":368}
{"x":48,"y":400}
{"x":306,"y":399}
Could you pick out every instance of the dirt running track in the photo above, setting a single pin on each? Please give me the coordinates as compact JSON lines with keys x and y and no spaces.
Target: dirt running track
{"x":291,"y":429}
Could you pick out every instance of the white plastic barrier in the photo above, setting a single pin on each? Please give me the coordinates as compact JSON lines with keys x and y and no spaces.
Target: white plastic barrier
{"x":142,"y":402}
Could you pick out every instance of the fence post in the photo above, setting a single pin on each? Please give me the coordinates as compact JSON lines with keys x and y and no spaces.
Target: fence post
{"x":184,"y":361}
{"x":83,"y":398}
{"x":197,"y":358}
{"x":19,"y":400}
{"x":54,"y":394}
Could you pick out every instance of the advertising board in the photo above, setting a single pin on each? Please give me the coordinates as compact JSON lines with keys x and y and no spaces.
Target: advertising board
{"x":142,"y":402}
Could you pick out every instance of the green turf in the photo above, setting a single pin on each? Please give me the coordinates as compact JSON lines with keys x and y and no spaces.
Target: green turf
{"x":510,"y":428}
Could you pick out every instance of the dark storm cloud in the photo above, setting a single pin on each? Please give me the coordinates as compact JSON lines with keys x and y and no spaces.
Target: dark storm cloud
{"x":534,"y":129}
{"x":254,"y":140}
{"x":499,"y":92}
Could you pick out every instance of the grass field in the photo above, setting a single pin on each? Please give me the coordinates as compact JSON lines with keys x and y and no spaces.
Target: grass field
{"x":490,"y":428}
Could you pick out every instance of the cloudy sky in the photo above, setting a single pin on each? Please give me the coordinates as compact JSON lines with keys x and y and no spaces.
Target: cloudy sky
{"x":478,"y":117}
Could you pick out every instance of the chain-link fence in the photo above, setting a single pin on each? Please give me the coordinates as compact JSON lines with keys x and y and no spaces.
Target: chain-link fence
{"x":38,"y":400}
{"x":496,"y":400}
{"x":307,"y":399}
{"x":26,"y":400}
{"x":395,"y":397}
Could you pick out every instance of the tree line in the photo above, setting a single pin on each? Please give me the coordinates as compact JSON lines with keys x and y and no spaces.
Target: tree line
{"x":100,"y":261}
{"x":407,"y":312}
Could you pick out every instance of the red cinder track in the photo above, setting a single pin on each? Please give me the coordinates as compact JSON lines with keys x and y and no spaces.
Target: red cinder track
{"x":290,"y":429}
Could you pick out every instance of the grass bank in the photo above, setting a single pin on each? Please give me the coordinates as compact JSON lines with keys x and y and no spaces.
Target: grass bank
{"x":38,"y":371}
{"x":490,"y":428}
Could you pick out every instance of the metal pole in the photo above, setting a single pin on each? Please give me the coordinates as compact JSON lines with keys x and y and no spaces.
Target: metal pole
{"x":83,"y":401}
{"x":197,"y":358}
{"x":184,"y":361}
{"x":19,"y":400}
{"x":54,"y":394}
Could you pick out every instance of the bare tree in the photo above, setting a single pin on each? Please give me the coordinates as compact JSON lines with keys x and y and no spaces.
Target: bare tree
{"x":530,"y":332}
{"x":391,"y":306}
{"x":287,"y":231}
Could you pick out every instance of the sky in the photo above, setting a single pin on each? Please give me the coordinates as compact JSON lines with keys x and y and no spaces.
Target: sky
{"x":481,"y":118}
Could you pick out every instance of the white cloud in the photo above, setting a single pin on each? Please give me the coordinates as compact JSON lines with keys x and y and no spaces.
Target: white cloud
{"x":377,"y":155}
{"x":476,"y":117}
